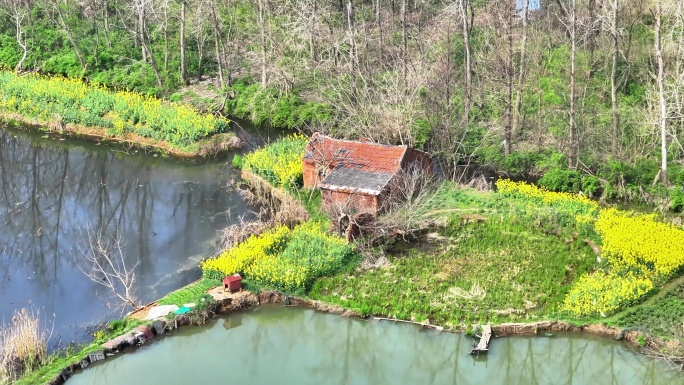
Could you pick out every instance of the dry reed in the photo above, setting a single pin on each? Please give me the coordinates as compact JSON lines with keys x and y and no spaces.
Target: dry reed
{"x":23,"y":345}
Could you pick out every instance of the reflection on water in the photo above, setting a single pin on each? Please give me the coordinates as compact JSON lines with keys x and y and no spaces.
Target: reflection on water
{"x":276,"y":345}
{"x":50,"y":193}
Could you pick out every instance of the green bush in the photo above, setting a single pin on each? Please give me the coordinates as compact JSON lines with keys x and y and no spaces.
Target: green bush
{"x":591,"y":185}
{"x":677,"y":200}
{"x":561,"y":180}
{"x":267,"y":106}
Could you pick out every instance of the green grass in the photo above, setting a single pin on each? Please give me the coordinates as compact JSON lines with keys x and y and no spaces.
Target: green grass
{"x":662,"y":316}
{"x":522,"y":257}
{"x":189,"y":293}
{"x":311,"y":200}
{"x":60,"y":360}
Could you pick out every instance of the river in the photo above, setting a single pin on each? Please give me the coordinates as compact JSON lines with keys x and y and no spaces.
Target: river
{"x":52,"y":191}
{"x":277,"y":345}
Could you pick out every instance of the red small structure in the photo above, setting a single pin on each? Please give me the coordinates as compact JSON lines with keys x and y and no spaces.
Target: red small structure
{"x":232,"y":283}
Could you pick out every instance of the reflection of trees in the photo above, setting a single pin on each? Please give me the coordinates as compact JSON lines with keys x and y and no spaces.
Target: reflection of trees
{"x":50,"y":193}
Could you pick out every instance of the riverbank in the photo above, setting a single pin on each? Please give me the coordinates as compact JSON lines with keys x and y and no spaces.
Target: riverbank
{"x":72,"y":106}
{"x":217,"y":144}
{"x":227,"y":304}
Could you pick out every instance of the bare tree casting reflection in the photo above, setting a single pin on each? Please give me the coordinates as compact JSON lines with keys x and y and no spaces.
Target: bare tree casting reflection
{"x":104,"y":262}
{"x":50,"y":191}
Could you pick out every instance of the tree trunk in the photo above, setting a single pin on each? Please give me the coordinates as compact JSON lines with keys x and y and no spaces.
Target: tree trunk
{"x":105,"y":17}
{"x":218,"y":44}
{"x":661,"y":93}
{"x":465,"y":24}
{"x":572,"y":150}
{"x":404,"y":40}
{"x":153,"y":62}
{"x":141,"y":30}
{"x":517,"y":128}
{"x":59,"y":20}
{"x":616,"y":137}
{"x":510,"y":74}
{"x":183,"y":70}
{"x":262,"y":36}
{"x":352,"y":38}
{"x":21,"y":40}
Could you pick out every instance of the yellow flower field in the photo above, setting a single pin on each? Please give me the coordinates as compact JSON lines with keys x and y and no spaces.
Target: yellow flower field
{"x":284,"y":258}
{"x":73,"y":101}
{"x":639,"y":250}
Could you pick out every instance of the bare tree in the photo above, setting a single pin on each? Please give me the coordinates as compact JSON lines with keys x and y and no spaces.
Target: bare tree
{"x":57,"y":11}
{"x":104,"y":262}
{"x":569,"y":17}
{"x":18,"y":12}
{"x":412,"y":193}
{"x":517,"y":130}
{"x":183,"y":71}
{"x":466,"y":12}
{"x":614,"y":9}
{"x":660,"y":79}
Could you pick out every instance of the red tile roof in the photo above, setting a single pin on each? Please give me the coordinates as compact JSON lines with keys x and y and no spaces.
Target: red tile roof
{"x":362,"y":156}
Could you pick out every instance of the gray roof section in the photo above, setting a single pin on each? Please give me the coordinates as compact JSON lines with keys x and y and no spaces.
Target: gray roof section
{"x":365,"y":182}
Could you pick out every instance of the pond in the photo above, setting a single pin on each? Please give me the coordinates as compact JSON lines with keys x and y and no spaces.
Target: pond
{"x":53,"y":191}
{"x":278,"y":345}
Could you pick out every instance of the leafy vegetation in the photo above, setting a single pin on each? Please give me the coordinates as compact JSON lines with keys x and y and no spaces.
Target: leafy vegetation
{"x":270,"y":107}
{"x":661,"y":317}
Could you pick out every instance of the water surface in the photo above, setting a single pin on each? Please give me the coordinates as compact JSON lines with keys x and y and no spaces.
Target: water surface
{"x":167,"y":212}
{"x":276,"y":345}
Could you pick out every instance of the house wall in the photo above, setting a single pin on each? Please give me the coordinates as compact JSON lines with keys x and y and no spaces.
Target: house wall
{"x":310,"y":175}
{"x":354,"y":201}
{"x":424,"y":159}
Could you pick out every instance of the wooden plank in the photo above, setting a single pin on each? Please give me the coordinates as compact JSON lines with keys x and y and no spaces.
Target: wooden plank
{"x":483,"y":344}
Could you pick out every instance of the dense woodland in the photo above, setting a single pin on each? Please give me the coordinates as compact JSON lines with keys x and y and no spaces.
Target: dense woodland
{"x":586,"y":94}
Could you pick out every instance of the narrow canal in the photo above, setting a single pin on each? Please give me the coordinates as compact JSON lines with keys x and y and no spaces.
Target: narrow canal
{"x":52,"y":191}
{"x":276,"y":345}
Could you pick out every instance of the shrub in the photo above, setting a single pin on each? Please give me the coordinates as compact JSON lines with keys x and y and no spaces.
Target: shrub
{"x":590,"y":185}
{"x":561,"y":180}
{"x":23,"y":345}
{"x":677,"y":200}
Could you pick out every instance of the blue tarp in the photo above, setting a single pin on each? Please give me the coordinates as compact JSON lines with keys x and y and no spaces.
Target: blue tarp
{"x":533,"y":5}
{"x":182,"y":310}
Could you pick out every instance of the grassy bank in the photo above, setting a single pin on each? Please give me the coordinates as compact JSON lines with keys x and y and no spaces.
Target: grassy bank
{"x":522,"y":254}
{"x":61,"y":103}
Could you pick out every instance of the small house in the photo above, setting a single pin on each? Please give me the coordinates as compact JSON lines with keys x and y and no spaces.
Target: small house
{"x":232,"y":283}
{"x":358,"y":174}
